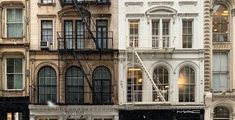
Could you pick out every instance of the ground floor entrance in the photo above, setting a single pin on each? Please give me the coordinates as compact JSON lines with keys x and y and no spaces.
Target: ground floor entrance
{"x":14,"y":108}
{"x":182,"y":114}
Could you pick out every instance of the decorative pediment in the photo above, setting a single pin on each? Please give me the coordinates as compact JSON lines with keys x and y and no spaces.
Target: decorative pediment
{"x":161,"y":10}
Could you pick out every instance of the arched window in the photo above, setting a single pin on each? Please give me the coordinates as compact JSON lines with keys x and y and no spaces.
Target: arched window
{"x":221,"y":113}
{"x":220,"y":23}
{"x":101,"y":86}
{"x":186,"y":84}
{"x":74,"y":86}
{"x":46,"y":85}
{"x":161,"y":79}
{"x":134,"y":84}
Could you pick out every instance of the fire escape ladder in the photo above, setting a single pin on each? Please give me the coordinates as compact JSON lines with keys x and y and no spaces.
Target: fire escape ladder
{"x":86,"y":18}
{"x":149,"y":77}
{"x":83,"y":71}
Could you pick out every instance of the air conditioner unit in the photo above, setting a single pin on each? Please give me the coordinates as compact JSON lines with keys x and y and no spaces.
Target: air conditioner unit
{"x":45,"y":44}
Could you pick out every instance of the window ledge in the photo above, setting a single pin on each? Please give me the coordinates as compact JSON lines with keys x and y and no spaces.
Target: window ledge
{"x":13,"y":38}
{"x":13,"y":90}
{"x":46,"y":4}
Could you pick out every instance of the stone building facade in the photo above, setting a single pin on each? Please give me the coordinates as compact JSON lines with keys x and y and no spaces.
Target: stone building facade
{"x":161,"y":62}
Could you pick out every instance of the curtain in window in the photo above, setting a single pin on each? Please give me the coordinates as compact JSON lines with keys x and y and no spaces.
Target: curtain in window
{"x":220,"y":71}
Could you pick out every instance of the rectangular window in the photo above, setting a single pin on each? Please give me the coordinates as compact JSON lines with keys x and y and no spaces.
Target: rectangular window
{"x":46,"y":1}
{"x":47,"y":30}
{"x":14,"y":73}
{"x":187,"y":33}
{"x":133,"y":33}
{"x":160,"y":33}
{"x":14,"y":22}
{"x":102,"y":33}
{"x":220,"y":71}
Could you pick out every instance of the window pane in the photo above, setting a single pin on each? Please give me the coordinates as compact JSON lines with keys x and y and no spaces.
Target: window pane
{"x":14,"y":23}
{"x":221,"y":113}
{"x":134,"y":34}
{"x":187,"y":33}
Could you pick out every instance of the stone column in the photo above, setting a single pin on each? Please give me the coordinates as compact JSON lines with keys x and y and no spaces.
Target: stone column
{"x":232,"y":36}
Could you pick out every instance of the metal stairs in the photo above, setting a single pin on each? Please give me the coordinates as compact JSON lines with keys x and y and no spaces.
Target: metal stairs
{"x":150,"y":78}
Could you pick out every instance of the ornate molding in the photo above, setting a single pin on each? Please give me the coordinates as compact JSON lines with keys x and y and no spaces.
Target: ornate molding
{"x":188,"y":14}
{"x":233,"y":12}
{"x":221,"y":46}
{"x":135,"y":15}
{"x":161,"y":3}
{"x":187,"y":3}
{"x":134,"y":3}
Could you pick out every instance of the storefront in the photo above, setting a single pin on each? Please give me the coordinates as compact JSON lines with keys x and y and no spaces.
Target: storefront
{"x":14,"y":108}
{"x":182,"y":114}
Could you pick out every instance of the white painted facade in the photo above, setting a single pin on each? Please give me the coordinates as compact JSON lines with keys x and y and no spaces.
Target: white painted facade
{"x":172,"y":58}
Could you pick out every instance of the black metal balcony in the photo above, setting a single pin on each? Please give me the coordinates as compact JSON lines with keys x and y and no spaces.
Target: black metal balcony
{"x":85,"y":2}
{"x":81,"y":41}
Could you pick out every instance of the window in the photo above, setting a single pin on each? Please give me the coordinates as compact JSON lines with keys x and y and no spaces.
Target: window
{"x":14,"y":73}
{"x":133,"y":33}
{"x":102,"y":33}
{"x":220,"y":71}
{"x":74,"y":86}
{"x":161,"y":79}
{"x":46,"y":30}
{"x":221,"y":113}
{"x":220,"y":23}
{"x":134,"y":84}
{"x":47,"y":85}
{"x":14,"y":22}
{"x":14,"y":116}
{"x":101,"y":86}
{"x":46,"y":1}
{"x":186,"y":84}
{"x":160,"y":33}
{"x":74,"y":34}
{"x":187,"y":33}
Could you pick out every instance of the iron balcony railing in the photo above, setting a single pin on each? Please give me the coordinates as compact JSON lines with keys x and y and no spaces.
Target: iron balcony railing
{"x":80,"y":40}
{"x":85,"y":2}
{"x":220,"y":37}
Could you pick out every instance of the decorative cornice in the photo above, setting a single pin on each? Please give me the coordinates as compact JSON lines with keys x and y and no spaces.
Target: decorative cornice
{"x":187,"y":3}
{"x":46,"y":15}
{"x":221,"y":46}
{"x":134,"y":3}
{"x":161,"y":3}
{"x":135,"y":15}
{"x":188,"y":14}
{"x":12,"y":3}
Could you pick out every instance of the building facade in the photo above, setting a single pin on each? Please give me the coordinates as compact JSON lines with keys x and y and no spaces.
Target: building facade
{"x":73,"y":60}
{"x":219,"y":65}
{"x":14,"y":57}
{"x":161,"y":60}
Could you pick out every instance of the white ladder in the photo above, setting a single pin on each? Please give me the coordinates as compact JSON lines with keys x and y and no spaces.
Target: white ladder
{"x":149,"y":77}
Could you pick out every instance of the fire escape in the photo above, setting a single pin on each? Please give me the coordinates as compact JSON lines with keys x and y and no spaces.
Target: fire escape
{"x":93,"y":45}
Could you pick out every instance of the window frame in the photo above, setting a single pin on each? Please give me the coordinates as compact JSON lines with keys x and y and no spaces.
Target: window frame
{"x":187,"y":84}
{"x":102,"y":80}
{"x":163,"y":68}
{"x":219,"y":118}
{"x":222,"y":72}
{"x":5,"y":71}
{"x":79,"y":94}
{"x":52,"y":30}
{"x":192,"y":35}
{"x":51,"y":86}
{"x":161,"y":42}
{"x":6,"y":23}
{"x":134,"y":87}
{"x":136,"y":37}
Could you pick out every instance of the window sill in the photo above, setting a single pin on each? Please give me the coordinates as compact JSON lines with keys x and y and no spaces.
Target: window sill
{"x":13,"y":90}
{"x":46,"y":4}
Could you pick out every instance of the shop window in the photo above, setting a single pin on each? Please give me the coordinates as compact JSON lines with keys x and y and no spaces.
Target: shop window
{"x":161,"y":79}
{"x":134,"y":84}
{"x":186,"y":85}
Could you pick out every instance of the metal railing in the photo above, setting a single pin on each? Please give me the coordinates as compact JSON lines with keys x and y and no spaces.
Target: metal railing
{"x":81,"y":40}
{"x":94,"y":2}
{"x":220,"y":37}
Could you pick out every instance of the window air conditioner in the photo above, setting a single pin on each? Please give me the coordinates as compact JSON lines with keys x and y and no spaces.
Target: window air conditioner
{"x":45,"y":44}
